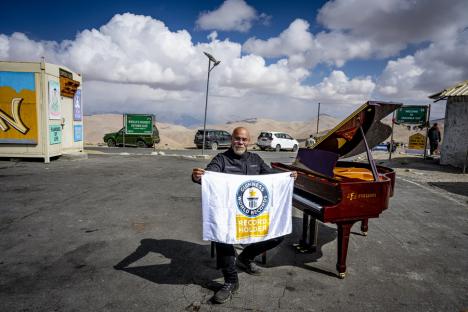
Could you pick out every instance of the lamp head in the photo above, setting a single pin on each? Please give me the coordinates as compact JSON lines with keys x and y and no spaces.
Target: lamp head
{"x":211,"y":57}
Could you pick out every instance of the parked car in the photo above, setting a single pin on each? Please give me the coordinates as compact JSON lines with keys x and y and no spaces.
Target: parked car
{"x":213,"y":139}
{"x":385,"y":146}
{"x":277,"y":141}
{"x":380,"y":147}
{"x":117,"y":138}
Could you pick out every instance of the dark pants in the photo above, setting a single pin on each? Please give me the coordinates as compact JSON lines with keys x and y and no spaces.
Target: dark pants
{"x":434,"y":145}
{"x":226,"y":256}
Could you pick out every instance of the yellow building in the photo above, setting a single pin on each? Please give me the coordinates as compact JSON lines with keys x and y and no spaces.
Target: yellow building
{"x":41,"y":113}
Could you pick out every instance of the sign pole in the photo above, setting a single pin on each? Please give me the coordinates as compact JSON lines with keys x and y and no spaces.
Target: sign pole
{"x":391,"y":138}
{"x":427,"y":129}
{"x":153,"y":118}
{"x":125,"y":128}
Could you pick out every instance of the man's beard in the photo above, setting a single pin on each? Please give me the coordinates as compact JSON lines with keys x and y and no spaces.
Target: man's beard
{"x":239,"y":150}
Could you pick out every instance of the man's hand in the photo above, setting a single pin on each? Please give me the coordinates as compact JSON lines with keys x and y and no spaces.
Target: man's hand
{"x":294,"y":175}
{"x":197,"y":174}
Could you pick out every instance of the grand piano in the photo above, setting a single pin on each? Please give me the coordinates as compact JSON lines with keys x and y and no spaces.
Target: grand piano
{"x":343,"y":192}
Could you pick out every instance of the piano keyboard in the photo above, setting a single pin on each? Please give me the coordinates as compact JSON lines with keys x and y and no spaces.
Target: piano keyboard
{"x":312,"y":205}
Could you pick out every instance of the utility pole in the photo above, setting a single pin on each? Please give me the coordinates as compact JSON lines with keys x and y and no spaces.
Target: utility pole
{"x":391,"y":138}
{"x":318,"y":117}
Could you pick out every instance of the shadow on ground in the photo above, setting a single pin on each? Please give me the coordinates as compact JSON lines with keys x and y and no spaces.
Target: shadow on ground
{"x":460,"y":188}
{"x":190,"y":263}
{"x":418,"y":163}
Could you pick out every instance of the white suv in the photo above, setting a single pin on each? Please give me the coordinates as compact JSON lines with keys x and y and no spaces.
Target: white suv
{"x":277,"y":141}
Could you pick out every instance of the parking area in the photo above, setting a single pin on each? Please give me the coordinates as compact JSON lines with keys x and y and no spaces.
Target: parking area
{"x":65,"y":225}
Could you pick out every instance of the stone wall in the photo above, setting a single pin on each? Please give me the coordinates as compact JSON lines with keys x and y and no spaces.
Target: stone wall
{"x":455,"y":138}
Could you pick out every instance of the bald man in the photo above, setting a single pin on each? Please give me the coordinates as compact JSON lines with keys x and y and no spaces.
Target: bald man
{"x":237,"y":160}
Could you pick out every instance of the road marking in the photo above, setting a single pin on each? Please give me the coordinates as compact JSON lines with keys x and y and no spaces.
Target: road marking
{"x":438,"y":192}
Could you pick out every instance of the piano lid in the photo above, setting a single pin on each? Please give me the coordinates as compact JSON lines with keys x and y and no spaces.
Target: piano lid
{"x":346,"y":139}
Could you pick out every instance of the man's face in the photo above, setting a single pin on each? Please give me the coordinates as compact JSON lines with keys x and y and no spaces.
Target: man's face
{"x":240,"y":140}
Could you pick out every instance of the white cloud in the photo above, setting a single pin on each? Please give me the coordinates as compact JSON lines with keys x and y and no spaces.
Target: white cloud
{"x":295,"y":39}
{"x":429,"y":70}
{"x":234,"y":15}
{"x":306,"y":49}
{"x":399,"y":78}
{"x":4,"y":46}
{"x":339,"y":89}
{"x":396,"y":22}
{"x":364,"y":29}
{"x":19,"y":47}
{"x":135,"y":63}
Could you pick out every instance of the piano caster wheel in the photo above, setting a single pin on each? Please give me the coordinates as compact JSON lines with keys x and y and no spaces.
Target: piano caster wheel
{"x":342,"y":275}
{"x":364,"y":233}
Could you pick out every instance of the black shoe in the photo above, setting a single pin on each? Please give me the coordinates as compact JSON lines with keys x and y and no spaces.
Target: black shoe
{"x":225,"y":293}
{"x":248,"y":266}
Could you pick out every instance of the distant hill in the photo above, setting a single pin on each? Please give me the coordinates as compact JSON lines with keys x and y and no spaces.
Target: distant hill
{"x":177,"y":136}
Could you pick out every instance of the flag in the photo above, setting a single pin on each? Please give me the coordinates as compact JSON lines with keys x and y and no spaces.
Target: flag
{"x":243,"y":209}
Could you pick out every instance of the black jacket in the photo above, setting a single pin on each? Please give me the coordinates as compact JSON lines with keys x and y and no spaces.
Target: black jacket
{"x":246,"y":164}
{"x":434,"y":135}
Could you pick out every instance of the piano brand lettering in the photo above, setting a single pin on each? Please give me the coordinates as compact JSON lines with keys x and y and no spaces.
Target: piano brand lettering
{"x":353,"y":196}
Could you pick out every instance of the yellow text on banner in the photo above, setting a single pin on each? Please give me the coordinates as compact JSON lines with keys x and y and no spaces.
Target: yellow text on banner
{"x":252,"y":227}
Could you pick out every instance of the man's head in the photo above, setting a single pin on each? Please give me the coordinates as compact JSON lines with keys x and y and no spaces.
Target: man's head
{"x":240,"y":140}
{"x":435,"y":125}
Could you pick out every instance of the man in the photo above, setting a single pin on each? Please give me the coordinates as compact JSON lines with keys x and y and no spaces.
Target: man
{"x":237,"y":160}
{"x":310,"y":141}
{"x":434,"y":138}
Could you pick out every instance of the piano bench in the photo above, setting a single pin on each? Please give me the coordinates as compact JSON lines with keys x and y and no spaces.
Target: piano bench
{"x":213,"y":252}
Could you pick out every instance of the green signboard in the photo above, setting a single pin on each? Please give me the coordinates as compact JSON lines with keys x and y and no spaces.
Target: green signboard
{"x":55,"y":132}
{"x":415,"y":115}
{"x":139,"y":124}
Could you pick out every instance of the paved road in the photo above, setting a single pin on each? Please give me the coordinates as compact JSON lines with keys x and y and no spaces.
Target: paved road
{"x":64,"y":225}
{"x":268,"y":156}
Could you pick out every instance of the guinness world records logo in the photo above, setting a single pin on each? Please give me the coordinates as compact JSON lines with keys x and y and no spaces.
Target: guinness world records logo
{"x":252,"y":198}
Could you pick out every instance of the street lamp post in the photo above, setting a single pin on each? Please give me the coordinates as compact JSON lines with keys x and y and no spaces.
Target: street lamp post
{"x":210,"y":68}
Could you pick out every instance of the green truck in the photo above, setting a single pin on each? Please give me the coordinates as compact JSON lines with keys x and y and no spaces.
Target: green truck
{"x":140,"y":140}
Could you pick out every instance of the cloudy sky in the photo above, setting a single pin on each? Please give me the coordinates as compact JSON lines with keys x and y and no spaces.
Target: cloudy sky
{"x":278,"y":58}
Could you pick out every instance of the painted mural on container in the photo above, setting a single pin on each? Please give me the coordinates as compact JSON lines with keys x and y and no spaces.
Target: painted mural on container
{"x":18,"y":108}
{"x":54,"y":100}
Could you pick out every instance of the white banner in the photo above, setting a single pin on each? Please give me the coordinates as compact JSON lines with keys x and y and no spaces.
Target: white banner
{"x":243,"y":209}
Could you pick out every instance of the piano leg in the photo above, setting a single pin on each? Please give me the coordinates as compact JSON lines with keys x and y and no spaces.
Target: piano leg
{"x":308,"y":243}
{"x":344,"y":229}
{"x":364,"y":226}
{"x":305,"y":225}
{"x":313,"y":234}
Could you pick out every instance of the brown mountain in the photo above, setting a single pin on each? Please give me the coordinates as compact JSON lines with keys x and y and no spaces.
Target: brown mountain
{"x":176,"y":136}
